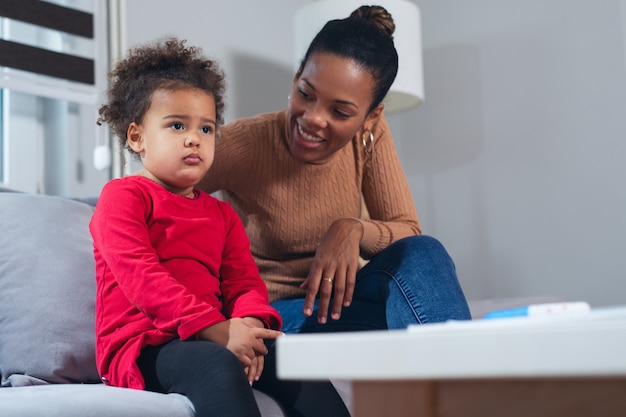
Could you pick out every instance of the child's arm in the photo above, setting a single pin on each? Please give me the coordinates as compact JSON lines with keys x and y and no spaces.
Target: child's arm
{"x":245,"y":297}
{"x":244,"y":292}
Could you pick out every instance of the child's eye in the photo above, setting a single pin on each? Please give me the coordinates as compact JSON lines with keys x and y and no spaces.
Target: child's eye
{"x":207,"y":129}
{"x":177,"y":126}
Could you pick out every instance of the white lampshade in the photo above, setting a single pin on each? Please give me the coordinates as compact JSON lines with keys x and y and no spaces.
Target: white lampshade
{"x":407,"y":90}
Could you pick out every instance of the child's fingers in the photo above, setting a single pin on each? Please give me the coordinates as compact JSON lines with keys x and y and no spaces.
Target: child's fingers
{"x":259,"y":367}
{"x":251,"y":371}
{"x":245,"y":360}
{"x":258,"y":348}
{"x":268,"y":333}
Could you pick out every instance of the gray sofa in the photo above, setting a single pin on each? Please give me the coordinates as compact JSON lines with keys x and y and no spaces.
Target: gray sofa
{"x":47,"y":293}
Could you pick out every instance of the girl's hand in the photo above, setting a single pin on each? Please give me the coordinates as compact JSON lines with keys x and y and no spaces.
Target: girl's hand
{"x":244,"y":338}
{"x":334,"y":269}
{"x":255,"y":369}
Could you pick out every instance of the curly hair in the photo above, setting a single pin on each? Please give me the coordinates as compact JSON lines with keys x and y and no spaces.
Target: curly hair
{"x":164,"y":64}
{"x":366,"y":37}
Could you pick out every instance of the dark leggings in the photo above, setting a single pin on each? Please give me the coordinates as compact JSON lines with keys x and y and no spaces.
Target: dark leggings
{"x":214,"y":381}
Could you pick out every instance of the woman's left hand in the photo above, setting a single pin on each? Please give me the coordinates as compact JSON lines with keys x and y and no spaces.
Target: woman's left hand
{"x":334,"y":269}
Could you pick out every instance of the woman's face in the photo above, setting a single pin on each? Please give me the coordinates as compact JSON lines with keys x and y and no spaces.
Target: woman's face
{"x":328,"y":105}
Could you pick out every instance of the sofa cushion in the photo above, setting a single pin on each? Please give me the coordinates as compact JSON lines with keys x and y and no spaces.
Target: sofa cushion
{"x":47,"y":290}
{"x":92,"y":400}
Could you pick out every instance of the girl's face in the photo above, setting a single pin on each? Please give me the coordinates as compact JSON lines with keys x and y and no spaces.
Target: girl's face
{"x":328,"y":105}
{"x":176,"y":138}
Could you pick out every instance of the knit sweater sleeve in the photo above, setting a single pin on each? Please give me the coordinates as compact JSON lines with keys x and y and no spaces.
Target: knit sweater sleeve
{"x":387,"y":196}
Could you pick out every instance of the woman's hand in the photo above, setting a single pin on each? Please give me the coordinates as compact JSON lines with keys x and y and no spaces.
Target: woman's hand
{"x":334,"y":269}
{"x":244,"y":337}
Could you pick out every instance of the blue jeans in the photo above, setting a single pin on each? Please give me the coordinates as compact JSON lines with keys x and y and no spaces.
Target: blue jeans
{"x":413,"y":281}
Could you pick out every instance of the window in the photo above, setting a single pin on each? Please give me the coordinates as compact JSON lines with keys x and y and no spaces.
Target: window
{"x":53,"y":63}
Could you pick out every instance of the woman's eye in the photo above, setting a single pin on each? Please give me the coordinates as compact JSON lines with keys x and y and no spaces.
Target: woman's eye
{"x":304,"y":94}
{"x":177,"y":126}
{"x":341,"y":114}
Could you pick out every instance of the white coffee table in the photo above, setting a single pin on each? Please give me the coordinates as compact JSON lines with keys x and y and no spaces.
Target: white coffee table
{"x":561,"y":366}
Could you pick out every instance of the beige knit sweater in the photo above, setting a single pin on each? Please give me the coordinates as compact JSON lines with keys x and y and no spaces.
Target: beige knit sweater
{"x":287,"y":205}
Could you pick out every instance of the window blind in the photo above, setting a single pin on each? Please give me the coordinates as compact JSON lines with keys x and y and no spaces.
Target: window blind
{"x":42,"y":61}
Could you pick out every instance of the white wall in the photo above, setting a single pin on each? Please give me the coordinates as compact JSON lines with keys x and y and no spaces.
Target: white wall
{"x":251,"y":39}
{"x":517,"y":157}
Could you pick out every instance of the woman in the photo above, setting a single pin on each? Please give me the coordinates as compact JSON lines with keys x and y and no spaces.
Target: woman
{"x":320,"y":185}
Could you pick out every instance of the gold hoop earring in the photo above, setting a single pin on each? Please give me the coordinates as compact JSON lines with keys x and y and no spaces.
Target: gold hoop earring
{"x":368,"y":145}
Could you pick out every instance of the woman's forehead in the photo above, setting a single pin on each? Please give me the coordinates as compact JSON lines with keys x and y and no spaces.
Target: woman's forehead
{"x":339,"y":76}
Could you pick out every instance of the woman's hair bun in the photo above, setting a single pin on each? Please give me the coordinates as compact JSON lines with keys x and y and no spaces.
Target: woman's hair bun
{"x":377,"y":15}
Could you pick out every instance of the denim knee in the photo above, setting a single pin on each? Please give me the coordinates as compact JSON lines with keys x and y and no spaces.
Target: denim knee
{"x":415,"y":253}
{"x":422,"y":244}
{"x":421,"y":284}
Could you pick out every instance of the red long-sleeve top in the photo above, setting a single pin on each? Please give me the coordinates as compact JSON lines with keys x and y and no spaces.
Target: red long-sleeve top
{"x":167,"y":267}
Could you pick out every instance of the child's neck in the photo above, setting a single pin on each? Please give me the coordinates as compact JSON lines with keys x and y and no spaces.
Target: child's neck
{"x":187,"y":192}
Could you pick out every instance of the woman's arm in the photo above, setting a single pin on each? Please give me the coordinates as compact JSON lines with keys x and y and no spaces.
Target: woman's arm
{"x":387,"y":196}
{"x":392,"y":216}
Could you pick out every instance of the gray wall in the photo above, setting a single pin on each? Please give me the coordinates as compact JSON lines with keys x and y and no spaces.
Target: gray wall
{"x":516,"y":159}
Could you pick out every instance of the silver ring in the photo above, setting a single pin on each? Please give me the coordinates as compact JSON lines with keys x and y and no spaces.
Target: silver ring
{"x":329,"y":279}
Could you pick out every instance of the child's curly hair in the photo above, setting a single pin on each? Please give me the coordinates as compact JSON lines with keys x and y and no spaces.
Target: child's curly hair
{"x":165,"y":64}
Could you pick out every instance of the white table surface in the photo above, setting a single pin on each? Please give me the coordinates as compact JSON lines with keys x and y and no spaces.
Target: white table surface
{"x":591,"y":344}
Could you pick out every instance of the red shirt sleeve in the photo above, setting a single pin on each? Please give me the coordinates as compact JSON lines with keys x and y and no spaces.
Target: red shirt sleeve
{"x":245,"y":293}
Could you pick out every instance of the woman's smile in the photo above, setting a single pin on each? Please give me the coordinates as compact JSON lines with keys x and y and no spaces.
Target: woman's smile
{"x":308,"y":137}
